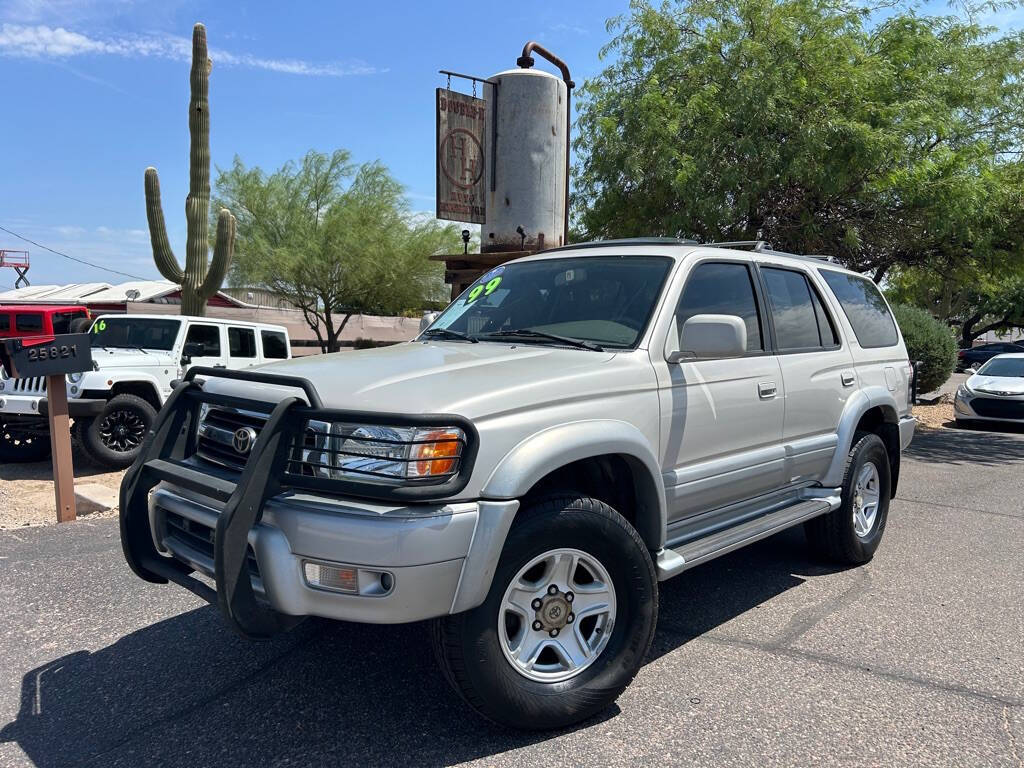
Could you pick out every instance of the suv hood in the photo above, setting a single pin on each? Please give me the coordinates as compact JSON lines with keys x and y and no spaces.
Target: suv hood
{"x":120,"y":357}
{"x":441,"y":377}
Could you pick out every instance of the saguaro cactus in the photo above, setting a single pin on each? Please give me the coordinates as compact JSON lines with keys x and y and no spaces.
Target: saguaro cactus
{"x":199,"y":280}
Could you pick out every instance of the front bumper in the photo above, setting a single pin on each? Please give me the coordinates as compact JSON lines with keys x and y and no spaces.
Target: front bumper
{"x":37,"y":405}
{"x":252,"y":534}
{"x":425,"y":551}
{"x":983,"y":406}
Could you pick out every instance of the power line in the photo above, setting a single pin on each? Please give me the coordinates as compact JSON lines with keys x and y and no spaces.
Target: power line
{"x":72,"y":258}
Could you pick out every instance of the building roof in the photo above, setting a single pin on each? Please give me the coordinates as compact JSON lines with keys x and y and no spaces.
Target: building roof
{"x":52,"y":293}
{"x":98,"y":293}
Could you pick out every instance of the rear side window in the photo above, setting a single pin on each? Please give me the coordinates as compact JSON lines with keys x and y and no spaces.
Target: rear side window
{"x":800,"y":319}
{"x":5,"y":322}
{"x":62,"y":321}
{"x":26,"y":322}
{"x":241,"y":342}
{"x":274,"y":345}
{"x":864,"y":307}
{"x":722,"y":288}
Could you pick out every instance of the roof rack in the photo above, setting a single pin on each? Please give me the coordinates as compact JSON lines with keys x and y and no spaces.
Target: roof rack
{"x":624,"y":241}
{"x":761,"y":246}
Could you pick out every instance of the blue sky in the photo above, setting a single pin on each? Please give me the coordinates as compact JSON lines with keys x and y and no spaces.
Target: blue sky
{"x":96,"y":91}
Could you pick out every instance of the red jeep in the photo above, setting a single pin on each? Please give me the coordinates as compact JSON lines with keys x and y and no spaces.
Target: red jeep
{"x":20,"y":320}
{"x":29,"y":440}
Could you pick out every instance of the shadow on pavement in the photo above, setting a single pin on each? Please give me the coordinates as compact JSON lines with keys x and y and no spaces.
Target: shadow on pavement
{"x":186,"y":691}
{"x":966,"y":446}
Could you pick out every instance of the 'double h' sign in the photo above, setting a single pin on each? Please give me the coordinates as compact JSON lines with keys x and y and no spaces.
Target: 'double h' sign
{"x":461,"y":143}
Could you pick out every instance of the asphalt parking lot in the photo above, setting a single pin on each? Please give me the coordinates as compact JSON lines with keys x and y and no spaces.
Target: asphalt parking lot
{"x":764,"y":657}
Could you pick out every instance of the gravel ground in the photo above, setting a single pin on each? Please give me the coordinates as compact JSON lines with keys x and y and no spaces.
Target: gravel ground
{"x":26,"y":490}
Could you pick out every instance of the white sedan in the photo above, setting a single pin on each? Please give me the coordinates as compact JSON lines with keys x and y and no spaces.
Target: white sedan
{"x":994,"y":392}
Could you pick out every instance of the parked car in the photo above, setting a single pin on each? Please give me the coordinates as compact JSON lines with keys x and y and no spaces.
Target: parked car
{"x":25,"y":320}
{"x":136,"y":359}
{"x":994,"y":392}
{"x":975,"y":357}
{"x":579,"y":425}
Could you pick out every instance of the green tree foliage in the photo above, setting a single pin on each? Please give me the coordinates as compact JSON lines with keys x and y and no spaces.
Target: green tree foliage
{"x":973,"y":298}
{"x":334,"y":238}
{"x":928,"y":341}
{"x":822,"y":126}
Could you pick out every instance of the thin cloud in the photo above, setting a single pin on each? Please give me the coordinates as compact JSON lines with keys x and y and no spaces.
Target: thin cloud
{"x":41,"y":41}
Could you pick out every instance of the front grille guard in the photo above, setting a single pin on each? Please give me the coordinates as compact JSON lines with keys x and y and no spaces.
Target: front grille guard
{"x":172,"y":439}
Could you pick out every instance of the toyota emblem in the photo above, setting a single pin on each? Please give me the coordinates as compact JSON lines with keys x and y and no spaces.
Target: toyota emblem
{"x":243,"y":439}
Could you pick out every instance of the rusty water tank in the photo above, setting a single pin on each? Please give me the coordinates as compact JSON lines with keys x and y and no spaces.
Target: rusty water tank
{"x":526,"y":207}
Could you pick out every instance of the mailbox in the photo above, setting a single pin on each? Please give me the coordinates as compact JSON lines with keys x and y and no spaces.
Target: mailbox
{"x":46,"y":356}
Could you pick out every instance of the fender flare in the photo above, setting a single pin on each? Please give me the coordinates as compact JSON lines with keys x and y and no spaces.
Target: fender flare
{"x":550,"y":449}
{"x":128,"y":377}
{"x":857,"y":405}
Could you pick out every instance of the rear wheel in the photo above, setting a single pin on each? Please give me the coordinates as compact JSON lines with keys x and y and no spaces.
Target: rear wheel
{"x":20,"y":444}
{"x":569,"y":617}
{"x":114,"y":438}
{"x":851,"y":534}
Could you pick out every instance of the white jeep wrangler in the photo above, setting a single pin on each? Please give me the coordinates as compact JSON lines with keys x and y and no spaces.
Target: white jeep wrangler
{"x":136,"y":360}
{"x":577,"y":426}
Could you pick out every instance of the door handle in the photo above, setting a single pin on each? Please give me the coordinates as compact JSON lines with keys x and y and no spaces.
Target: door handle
{"x":847,"y":378}
{"x":766,"y":389}
{"x":220,"y":365}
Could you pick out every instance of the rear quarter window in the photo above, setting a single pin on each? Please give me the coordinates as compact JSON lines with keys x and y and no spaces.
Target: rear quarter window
{"x":28,"y":322}
{"x":864,"y":307}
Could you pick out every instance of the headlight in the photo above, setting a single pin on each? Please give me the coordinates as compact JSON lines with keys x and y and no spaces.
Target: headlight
{"x":963,"y":391}
{"x":373,"y":452}
{"x":74,"y":378}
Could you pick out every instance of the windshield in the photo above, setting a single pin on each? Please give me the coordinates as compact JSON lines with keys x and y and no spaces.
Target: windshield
{"x":135,"y":333}
{"x":1003,"y":366}
{"x":605,"y":300}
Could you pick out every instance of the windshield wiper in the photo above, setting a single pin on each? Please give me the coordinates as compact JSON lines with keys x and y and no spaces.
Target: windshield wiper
{"x":449,"y":333}
{"x":530,"y":333}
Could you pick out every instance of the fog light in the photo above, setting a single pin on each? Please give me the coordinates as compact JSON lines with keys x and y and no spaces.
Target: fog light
{"x":74,"y":390}
{"x":331,"y":577}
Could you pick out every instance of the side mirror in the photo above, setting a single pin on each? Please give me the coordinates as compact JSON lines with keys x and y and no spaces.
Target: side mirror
{"x":711,"y":336}
{"x":190,"y":350}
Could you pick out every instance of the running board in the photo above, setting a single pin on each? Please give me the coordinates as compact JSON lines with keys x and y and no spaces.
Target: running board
{"x":672,"y":562}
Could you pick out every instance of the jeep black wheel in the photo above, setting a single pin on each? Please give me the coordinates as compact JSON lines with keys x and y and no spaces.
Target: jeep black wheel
{"x":18,"y":444}
{"x":566,"y":624}
{"x":851,"y":534}
{"x":114,"y":437}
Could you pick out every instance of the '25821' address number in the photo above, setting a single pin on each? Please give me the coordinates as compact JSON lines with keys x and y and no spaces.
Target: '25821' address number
{"x":36,"y":354}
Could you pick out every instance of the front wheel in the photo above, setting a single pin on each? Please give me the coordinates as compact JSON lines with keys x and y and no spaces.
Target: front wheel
{"x":114,"y":438}
{"x":569,"y":617}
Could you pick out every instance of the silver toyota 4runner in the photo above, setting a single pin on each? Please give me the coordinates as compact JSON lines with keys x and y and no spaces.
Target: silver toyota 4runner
{"x":578,"y":426}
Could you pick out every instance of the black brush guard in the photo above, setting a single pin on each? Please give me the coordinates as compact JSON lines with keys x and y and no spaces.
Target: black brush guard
{"x":172,"y":440}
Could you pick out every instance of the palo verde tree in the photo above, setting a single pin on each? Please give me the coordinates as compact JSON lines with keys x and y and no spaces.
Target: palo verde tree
{"x":201,"y":278}
{"x":334,"y":238}
{"x":821,"y":126}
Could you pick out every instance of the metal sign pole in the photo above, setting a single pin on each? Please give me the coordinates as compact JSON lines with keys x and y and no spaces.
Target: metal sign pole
{"x":60,"y":445}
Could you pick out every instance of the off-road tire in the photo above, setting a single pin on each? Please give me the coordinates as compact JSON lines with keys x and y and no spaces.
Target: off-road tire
{"x":832,"y":536}
{"x":16,"y":447}
{"x":80,"y":325}
{"x":468,"y":647}
{"x":89,"y":430}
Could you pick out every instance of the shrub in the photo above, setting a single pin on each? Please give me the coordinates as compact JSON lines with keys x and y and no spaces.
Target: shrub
{"x":929,"y":341}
